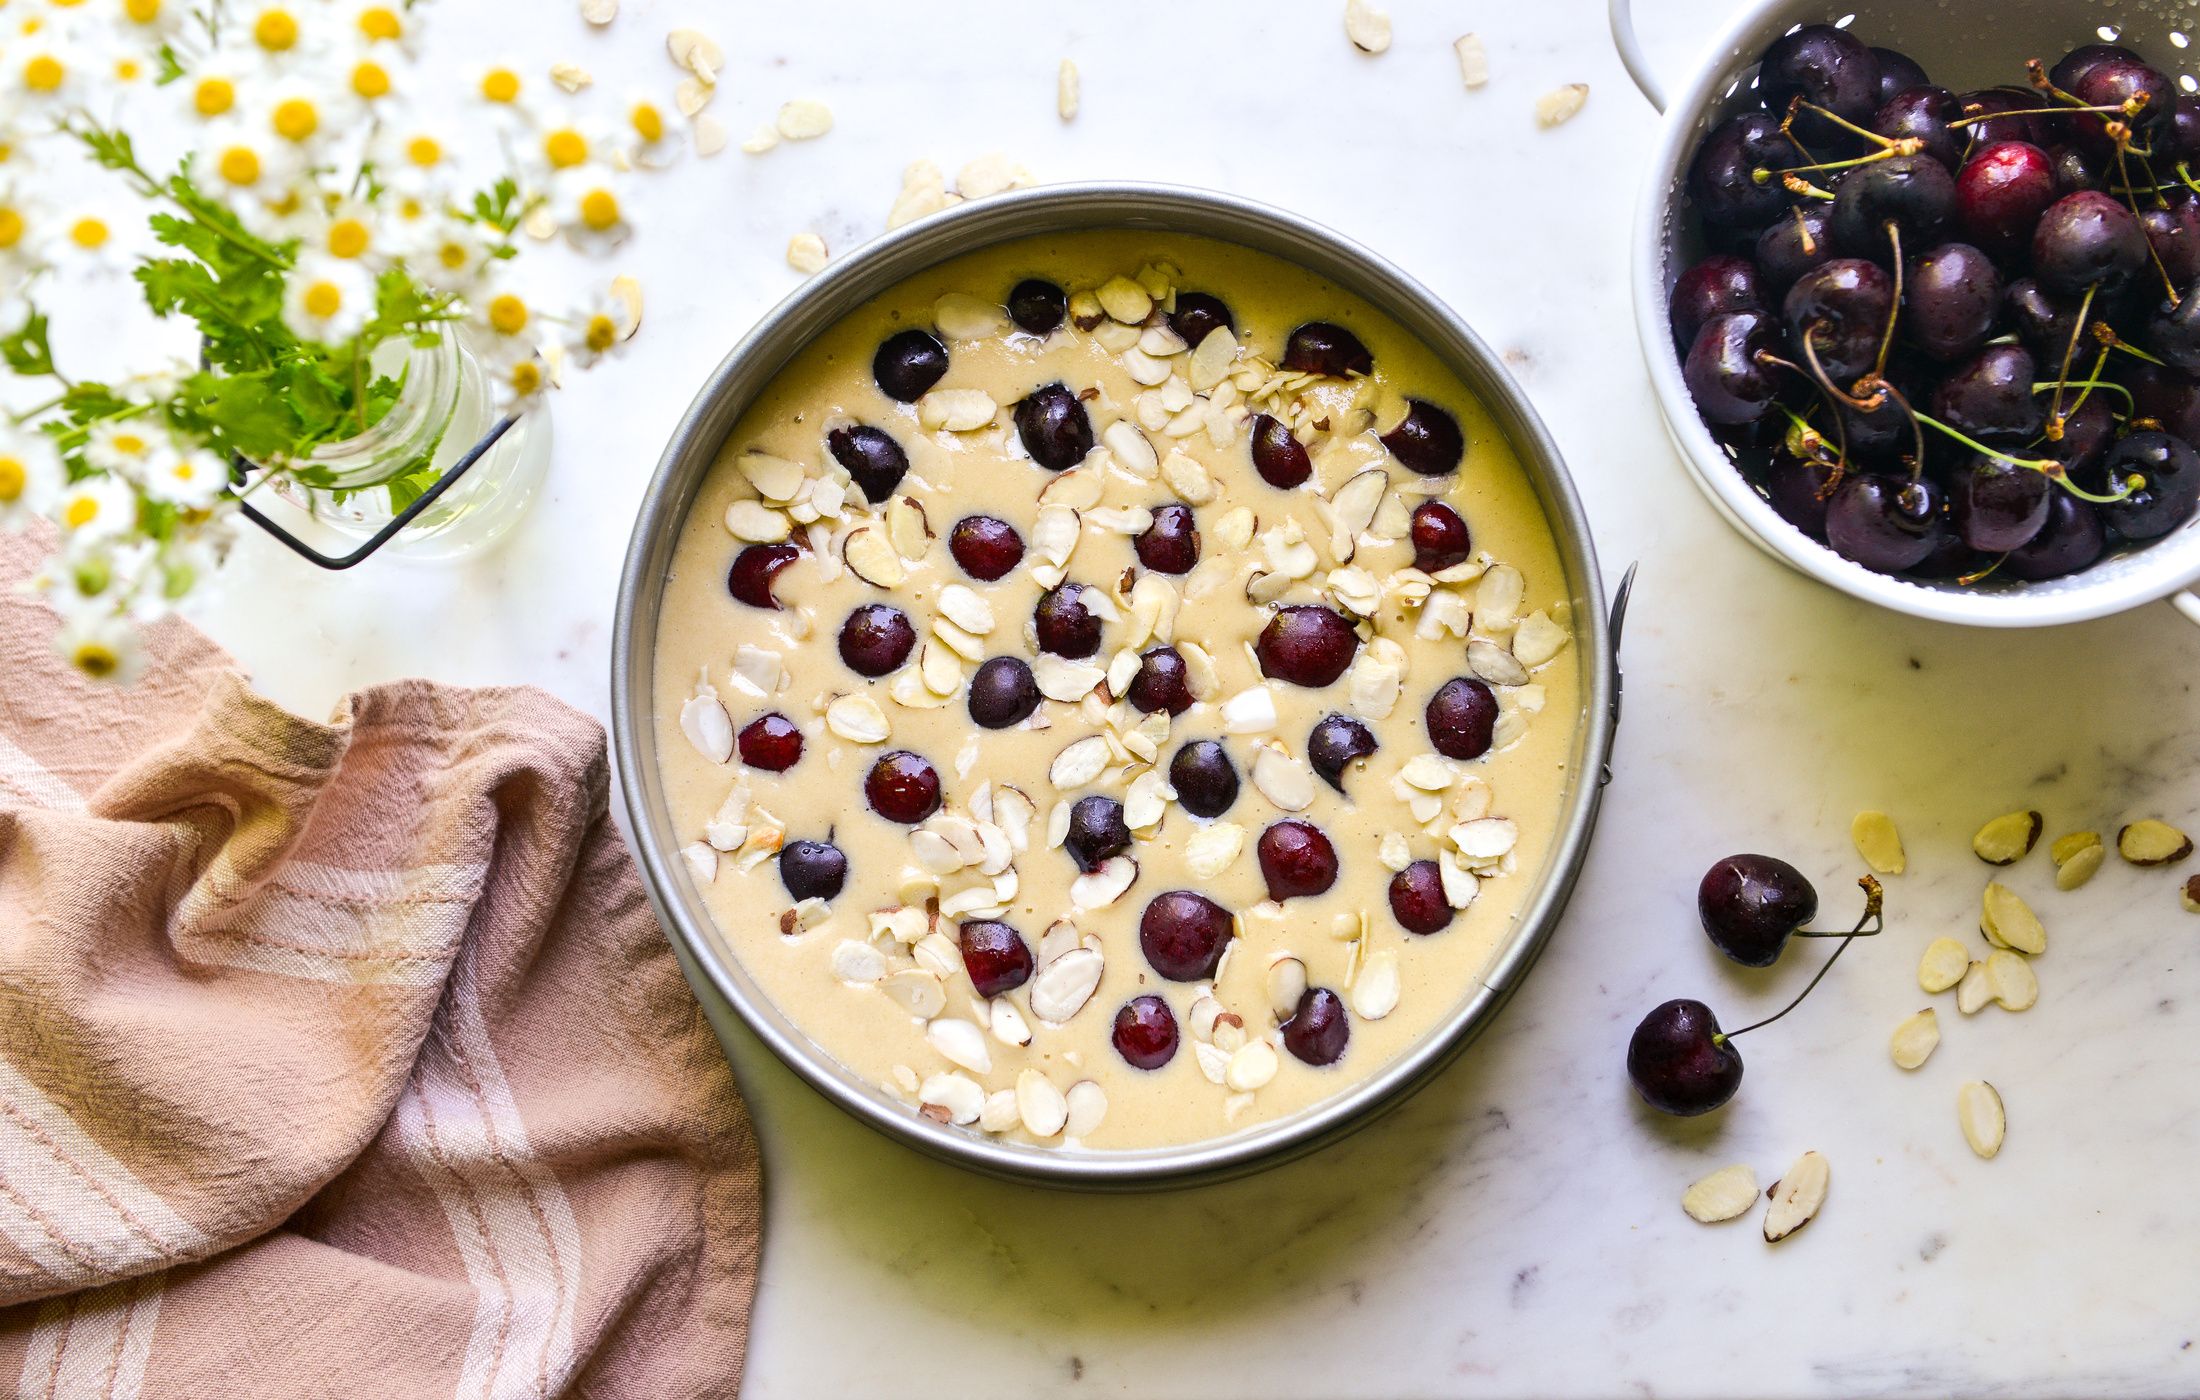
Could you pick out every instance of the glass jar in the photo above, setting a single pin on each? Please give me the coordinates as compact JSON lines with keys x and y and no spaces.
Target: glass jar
{"x":443,"y":407}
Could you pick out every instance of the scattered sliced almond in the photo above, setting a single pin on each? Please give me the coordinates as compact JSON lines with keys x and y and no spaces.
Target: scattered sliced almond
{"x":1474,"y":71}
{"x":2009,"y":838}
{"x":2152,"y":842}
{"x":692,"y":95}
{"x":710,"y":136}
{"x":952,"y":1098}
{"x":1088,"y":1104}
{"x":1375,"y":989}
{"x":753,"y":522}
{"x":1943,"y":965}
{"x":857,"y":962}
{"x":1915,"y":1039}
{"x":1979,"y":1110}
{"x":806,"y":253}
{"x":694,"y":50}
{"x":1368,"y":28}
{"x":707,"y":726}
{"x":1043,"y":1107}
{"x":871,"y":556}
{"x":961,"y":316}
{"x":961,"y":1042}
{"x":917,"y":991}
{"x":1079,"y":763}
{"x":599,"y":12}
{"x":2078,"y":857}
{"x":2188,"y":894}
{"x":1878,"y":842}
{"x":858,"y":719}
{"x":765,"y":138}
{"x":1560,"y":105}
{"x":1100,"y":887}
{"x":1797,"y":1197}
{"x":1062,"y":986}
{"x":570,"y":77}
{"x":1972,"y":993}
{"x":1068,"y":90}
{"x":2008,"y":921}
{"x":957,"y":410}
{"x":1283,"y":779}
{"x":803,"y":120}
{"x":1725,"y":1194}
{"x":2011,"y":981}
{"x":702,"y":861}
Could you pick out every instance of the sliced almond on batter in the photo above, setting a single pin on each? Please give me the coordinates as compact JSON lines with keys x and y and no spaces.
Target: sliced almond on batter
{"x":908,"y":527}
{"x":1797,"y":1197}
{"x":1251,"y":1066}
{"x":1725,"y":1194}
{"x":1878,"y":842}
{"x":1124,"y":300}
{"x":870,"y":556}
{"x":1914,"y":1041}
{"x":1250,"y":711}
{"x":1943,"y":965}
{"x":1102,"y":886}
{"x":916,"y":991}
{"x":957,"y":410}
{"x":857,"y":962}
{"x":1088,"y":1104}
{"x":1979,"y":1110}
{"x":753,"y":522}
{"x":858,"y":719}
{"x":961,"y":316}
{"x":2011,"y":981}
{"x":707,"y":726}
{"x":1043,"y":1107}
{"x":1079,"y":763}
{"x":952,"y":1098}
{"x":1375,"y":988}
{"x":1537,"y":639}
{"x":2152,"y":842}
{"x":1283,"y":779}
{"x":961,"y":1042}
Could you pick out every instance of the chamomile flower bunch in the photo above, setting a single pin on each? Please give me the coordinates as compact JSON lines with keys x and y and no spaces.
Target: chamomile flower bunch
{"x":304,"y":210}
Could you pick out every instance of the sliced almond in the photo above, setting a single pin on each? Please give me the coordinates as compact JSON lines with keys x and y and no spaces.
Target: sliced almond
{"x":806,"y":253}
{"x":1000,"y":1114}
{"x":1102,"y":886}
{"x":1079,"y":763}
{"x":957,"y":410}
{"x":2008,"y":838}
{"x":1088,"y":1104}
{"x":702,"y":861}
{"x":952,"y":1098}
{"x":858,"y":719}
{"x":1375,"y":989}
{"x":1212,"y":358}
{"x":2006,"y":919}
{"x":1130,"y":448}
{"x":908,"y":527}
{"x":1061,"y":679}
{"x":961,"y":316}
{"x":1878,"y":842}
{"x":1725,"y":1194}
{"x":1125,"y":300}
{"x":1283,"y":780}
{"x":1474,"y":71}
{"x":963,"y":606}
{"x":1190,"y":481}
{"x":1213,"y":848}
{"x":570,"y":77}
{"x":1068,"y":93}
{"x":803,"y":120}
{"x":1537,"y":639}
{"x":2011,"y":981}
{"x":1043,"y":1107}
{"x":1062,"y":986}
{"x":1352,"y":509}
{"x":1984,"y":1121}
{"x":1972,"y":993}
{"x":599,"y":12}
{"x":1368,"y":28}
{"x":1250,"y":711}
{"x":1286,"y":984}
{"x":857,"y":962}
{"x":870,"y":556}
{"x":961,"y":1042}
{"x":1494,"y":663}
{"x":710,"y":136}
{"x":1943,"y":965}
{"x":1251,"y":1066}
{"x":2152,"y":842}
{"x":2078,"y":857}
{"x":1797,"y":1197}
{"x":694,"y":50}
{"x":1915,"y":1039}
{"x":1561,"y":104}
{"x":707,"y":726}
{"x":2188,"y":894}
{"x":1486,"y":839}
{"x":917,"y":991}
{"x":753,"y":522}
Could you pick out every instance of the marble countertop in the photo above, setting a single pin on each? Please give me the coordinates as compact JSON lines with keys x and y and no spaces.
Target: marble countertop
{"x":1515,"y":1229}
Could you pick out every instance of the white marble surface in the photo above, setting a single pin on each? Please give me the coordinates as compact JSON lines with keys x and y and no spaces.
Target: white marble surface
{"x":1514,"y":1230}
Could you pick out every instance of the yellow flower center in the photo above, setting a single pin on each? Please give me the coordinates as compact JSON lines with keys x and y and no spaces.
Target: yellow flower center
{"x":128,"y":70}
{"x":66,"y":4}
{"x":90,"y":234}
{"x":526,"y":377}
{"x":213,"y":96}
{"x":275,"y":30}
{"x":423,"y":150}
{"x":507,"y":314}
{"x":184,"y":471}
{"x":452,"y":255}
{"x":11,"y":227}
{"x":96,"y":659}
{"x":295,"y":119}
{"x":381,"y":22}
{"x":44,"y":73}
{"x":600,"y":210}
{"x":564,"y":148}
{"x":410,"y":208}
{"x":322,"y":300}
{"x":141,"y":11}
{"x":370,"y":80}
{"x":239,"y":165}
{"x":602,"y":333}
{"x":14,"y":478}
{"x":348,"y":238}
{"x":81,"y":512}
{"x":648,"y":122}
{"x":500,"y":85}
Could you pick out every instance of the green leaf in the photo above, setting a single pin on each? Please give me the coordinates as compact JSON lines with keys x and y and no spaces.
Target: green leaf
{"x":171,"y":67}
{"x":25,"y":349}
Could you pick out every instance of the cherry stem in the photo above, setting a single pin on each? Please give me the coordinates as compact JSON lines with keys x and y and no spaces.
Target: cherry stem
{"x":2115,"y":108}
{"x":1917,"y":434}
{"x":1966,"y":580}
{"x":2037,"y":71}
{"x":2055,"y":413}
{"x":1840,"y":463}
{"x":1825,"y":381}
{"x":1894,"y":307}
{"x":1796,"y":184}
{"x":2046,"y":466}
{"x":1797,"y":104}
{"x":1872,"y":899}
{"x":1907,"y":146}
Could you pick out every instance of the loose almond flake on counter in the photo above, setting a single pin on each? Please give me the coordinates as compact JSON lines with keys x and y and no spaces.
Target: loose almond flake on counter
{"x":806,"y":253}
{"x":1725,"y":1194}
{"x":2152,"y":842}
{"x":1797,"y":1197}
{"x":1068,"y":91}
{"x":2008,"y":839}
{"x":1558,"y":106}
{"x":1878,"y":842}
{"x":1984,"y":1121}
{"x":1915,"y":1039}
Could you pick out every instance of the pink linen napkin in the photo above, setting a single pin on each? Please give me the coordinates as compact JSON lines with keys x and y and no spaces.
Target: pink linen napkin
{"x":343,"y":1059}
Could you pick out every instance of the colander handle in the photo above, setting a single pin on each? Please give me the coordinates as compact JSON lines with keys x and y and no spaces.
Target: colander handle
{"x":2188,"y":603}
{"x":1630,"y":53}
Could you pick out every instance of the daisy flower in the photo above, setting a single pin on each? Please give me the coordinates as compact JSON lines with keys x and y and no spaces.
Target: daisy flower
{"x":447,"y":254}
{"x":96,"y":508}
{"x":192,"y":479}
{"x":101,"y":645}
{"x":23,"y":221}
{"x":327,"y":299}
{"x":498,"y":88}
{"x":562,"y":145}
{"x":30,"y":474}
{"x":599,"y":327}
{"x":346,"y":230}
{"x":283,"y":34}
{"x":231,"y":155}
{"x":649,"y":137}
{"x":379,"y":27}
{"x":586,"y":203}
{"x":89,"y":241}
{"x":305,"y":109}
{"x":153,"y":22}
{"x":211,"y":90}
{"x":130,"y":448}
{"x":48,"y":70}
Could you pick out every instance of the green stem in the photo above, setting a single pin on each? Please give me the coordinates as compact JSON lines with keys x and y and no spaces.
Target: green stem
{"x":1871,"y":915}
{"x":26,"y":415}
{"x":81,"y":433}
{"x":2045,"y":466}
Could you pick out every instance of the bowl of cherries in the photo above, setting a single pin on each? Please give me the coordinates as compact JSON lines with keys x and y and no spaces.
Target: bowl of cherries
{"x":1919,"y":292}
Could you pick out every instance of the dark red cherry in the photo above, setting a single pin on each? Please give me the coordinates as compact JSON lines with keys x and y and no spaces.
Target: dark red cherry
{"x":2171,"y":472}
{"x":1182,"y":934}
{"x":1916,"y":194}
{"x":1296,"y":860}
{"x":1323,"y":347}
{"x":1826,"y":67}
{"x":1199,"y":315}
{"x":2173,"y":232}
{"x":1796,"y":488}
{"x":1750,"y":905}
{"x":1680,"y":1063}
{"x":754,"y":568}
{"x":2085,"y":240}
{"x":1952,"y":299}
{"x":1842,"y":306}
{"x":1427,"y":440}
{"x":875,"y":462}
{"x":1990,"y":103}
{"x":908,"y":363}
{"x":1318,"y":1028}
{"x":1205,"y":780}
{"x":1066,"y":626}
{"x":1440,"y":537}
{"x":876,"y":639}
{"x":2072,"y":539}
{"x":1998,"y":506}
{"x":1037,"y":305}
{"x":1145,"y":1032}
{"x":995,"y":955}
{"x":1462,"y":718}
{"x":1171,"y":544}
{"x":1096,"y":832}
{"x":1989,"y":396}
{"x":1790,"y":246}
{"x":771,"y":743}
{"x":986,"y":548}
{"x":2116,"y":80}
{"x":1417,"y":899}
{"x":1726,"y":371}
{"x":1883,"y":522}
{"x":1162,"y":683}
{"x":1897,"y":72}
{"x":1279,"y":457}
{"x":1923,"y":114}
{"x":2071,"y":68}
{"x":2001,"y":193}
{"x":903,"y":788}
{"x":1722,"y":175}
{"x":2044,"y":320}
{"x":813,"y":869}
{"x":1337,"y":742}
{"x":1002,"y":692}
{"x":1720,"y":283}
{"x":1054,"y":427}
{"x":1307,"y":645}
